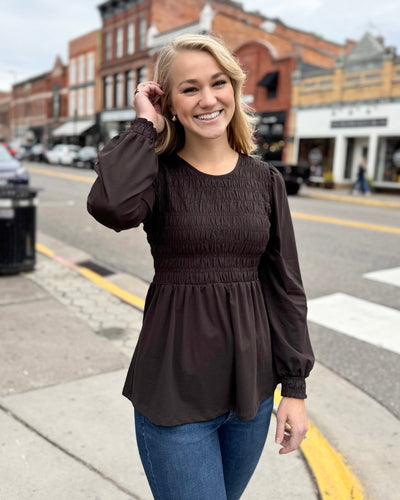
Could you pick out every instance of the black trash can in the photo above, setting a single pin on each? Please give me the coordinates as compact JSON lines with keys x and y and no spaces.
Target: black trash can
{"x":17,"y":229}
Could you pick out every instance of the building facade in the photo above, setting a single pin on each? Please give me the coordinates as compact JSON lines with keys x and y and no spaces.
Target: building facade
{"x":82,"y":125}
{"x":5,"y":105}
{"x":39,"y":105}
{"x":350,"y":112}
{"x":134,"y":31}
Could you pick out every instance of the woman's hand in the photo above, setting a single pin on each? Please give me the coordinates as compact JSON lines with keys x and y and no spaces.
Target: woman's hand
{"x":145,"y":103}
{"x":291,"y":424}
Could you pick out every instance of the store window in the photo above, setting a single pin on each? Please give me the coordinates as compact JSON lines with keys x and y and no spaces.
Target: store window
{"x":388,"y":161}
{"x":318,"y":155}
{"x":130,"y":39}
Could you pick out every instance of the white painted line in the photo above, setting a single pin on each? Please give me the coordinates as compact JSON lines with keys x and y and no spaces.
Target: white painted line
{"x":367,"y":321}
{"x":389,"y":276}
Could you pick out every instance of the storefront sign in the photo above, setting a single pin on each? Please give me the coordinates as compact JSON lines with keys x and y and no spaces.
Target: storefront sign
{"x":373,"y":122}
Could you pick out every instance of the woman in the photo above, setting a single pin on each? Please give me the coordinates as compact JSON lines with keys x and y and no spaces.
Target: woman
{"x":225,"y":315}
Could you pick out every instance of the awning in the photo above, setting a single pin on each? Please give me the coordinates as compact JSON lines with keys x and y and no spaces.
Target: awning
{"x":73,"y":128}
{"x":270,"y":80}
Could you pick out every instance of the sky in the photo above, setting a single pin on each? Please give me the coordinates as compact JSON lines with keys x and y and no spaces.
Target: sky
{"x":34,"y":32}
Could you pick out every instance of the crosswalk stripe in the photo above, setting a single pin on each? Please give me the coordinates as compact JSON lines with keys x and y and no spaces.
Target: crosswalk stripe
{"x":388,"y":276}
{"x":367,"y":321}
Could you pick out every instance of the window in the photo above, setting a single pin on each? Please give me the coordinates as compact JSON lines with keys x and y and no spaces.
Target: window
{"x":72,"y":72}
{"x":119,"y":42}
{"x":72,"y":103}
{"x":56,"y":105}
{"x":129,"y":86}
{"x":141,"y":75}
{"x":81,"y":102}
{"x":130,"y":38}
{"x":90,"y":67}
{"x":119,"y":90}
{"x":108,"y":46}
{"x":90,"y":101}
{"x":81,"y":69}
{"x":142,"y":33}
{"x":108,"y":92}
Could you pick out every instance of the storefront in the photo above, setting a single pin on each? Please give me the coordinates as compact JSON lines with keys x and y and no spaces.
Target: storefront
{"x":114,"y":122}
{"x":270,"y":129}
{"x":344,"y":135}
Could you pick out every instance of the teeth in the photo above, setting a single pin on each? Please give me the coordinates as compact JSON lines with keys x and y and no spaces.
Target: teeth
{"x":210,"y":116}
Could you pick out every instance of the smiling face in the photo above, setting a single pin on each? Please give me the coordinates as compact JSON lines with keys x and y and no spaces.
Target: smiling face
{"x":202,"y":96}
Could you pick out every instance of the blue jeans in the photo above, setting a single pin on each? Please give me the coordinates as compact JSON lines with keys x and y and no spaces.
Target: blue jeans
{"x":211,"y":460}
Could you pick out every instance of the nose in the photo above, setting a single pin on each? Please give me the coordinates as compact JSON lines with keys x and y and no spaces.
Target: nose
{"x":207,"y":97}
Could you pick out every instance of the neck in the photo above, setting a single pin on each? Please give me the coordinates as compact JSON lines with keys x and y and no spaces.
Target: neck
{"x":210,"y":156}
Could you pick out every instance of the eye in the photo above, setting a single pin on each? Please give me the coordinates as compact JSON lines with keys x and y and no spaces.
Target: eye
{"x":220,"y":83}
{"x":189,"y":90}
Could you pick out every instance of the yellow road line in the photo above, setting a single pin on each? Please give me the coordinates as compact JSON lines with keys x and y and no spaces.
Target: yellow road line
{"x":114,"y":289}
{"x":63,"y":175}
{"x":344,"y":222}
{"x":130,"y":298}
{"x":350,"y":199}
{"x":334,"y":479}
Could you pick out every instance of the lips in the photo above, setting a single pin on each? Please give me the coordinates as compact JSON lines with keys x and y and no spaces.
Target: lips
{"x":209,"y":116}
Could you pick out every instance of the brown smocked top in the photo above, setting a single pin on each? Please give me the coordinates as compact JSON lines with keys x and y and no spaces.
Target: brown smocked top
{"x":225,"y":315}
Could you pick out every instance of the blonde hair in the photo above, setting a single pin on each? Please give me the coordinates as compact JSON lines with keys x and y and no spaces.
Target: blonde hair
{"x":240,"y":129}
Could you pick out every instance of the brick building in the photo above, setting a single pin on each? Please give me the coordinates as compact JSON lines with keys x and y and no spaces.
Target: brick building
{"x":84,"y":56}
{"x":5,"y":105}
{"x":133,"y":31}
{"x":350,"y":111}
{"x":39,"y":105}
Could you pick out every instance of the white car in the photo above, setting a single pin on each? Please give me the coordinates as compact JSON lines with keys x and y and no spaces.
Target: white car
{"x":62,"y":154}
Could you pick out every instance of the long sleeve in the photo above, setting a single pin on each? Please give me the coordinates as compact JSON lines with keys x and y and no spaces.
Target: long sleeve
{"x":285,"y":300}
{"x":123,"y":195}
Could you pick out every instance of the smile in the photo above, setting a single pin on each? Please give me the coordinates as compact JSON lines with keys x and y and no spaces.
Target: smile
{"x":209,"y":116}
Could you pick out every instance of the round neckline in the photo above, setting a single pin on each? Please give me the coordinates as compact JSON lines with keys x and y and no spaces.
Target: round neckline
{"x":204,"y":174}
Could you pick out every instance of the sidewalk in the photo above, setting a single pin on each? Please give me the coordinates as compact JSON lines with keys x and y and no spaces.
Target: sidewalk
{"x":66,"y":431}
{"x":379,"y":198}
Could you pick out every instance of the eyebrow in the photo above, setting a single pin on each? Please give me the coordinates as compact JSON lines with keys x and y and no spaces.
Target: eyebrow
{"x":193,"y":80}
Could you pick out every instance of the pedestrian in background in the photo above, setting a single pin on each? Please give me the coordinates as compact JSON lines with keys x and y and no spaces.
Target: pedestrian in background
{"x":225,"y":314}
{"x":361,"y":185}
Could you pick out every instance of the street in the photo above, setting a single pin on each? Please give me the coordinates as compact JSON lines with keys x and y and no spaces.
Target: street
{"x":347,"y":248}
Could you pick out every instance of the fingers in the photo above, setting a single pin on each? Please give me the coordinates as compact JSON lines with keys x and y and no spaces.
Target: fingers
{"x":292,"y":424}
{"x":149,"y":90}
{"x":291,"y":441}
{"x":280,"y":429}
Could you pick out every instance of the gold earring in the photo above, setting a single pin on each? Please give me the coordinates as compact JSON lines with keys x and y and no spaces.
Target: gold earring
{"x":174,"y":118}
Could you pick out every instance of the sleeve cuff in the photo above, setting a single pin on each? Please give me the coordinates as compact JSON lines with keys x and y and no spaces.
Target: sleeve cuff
{"x":143,"y":127}
{"x":294,"y":387}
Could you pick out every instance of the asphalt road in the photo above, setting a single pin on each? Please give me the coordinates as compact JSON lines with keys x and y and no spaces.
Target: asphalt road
{"x":334,"y":259}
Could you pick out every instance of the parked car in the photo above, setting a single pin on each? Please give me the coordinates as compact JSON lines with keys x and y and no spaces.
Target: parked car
{"x":86,"y":157}
{"x":293,"y":175}
{"x":18,"y":149}
{"x":11,"y":170}
{"x":62,"y":154}
{"x":37,"y":153}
